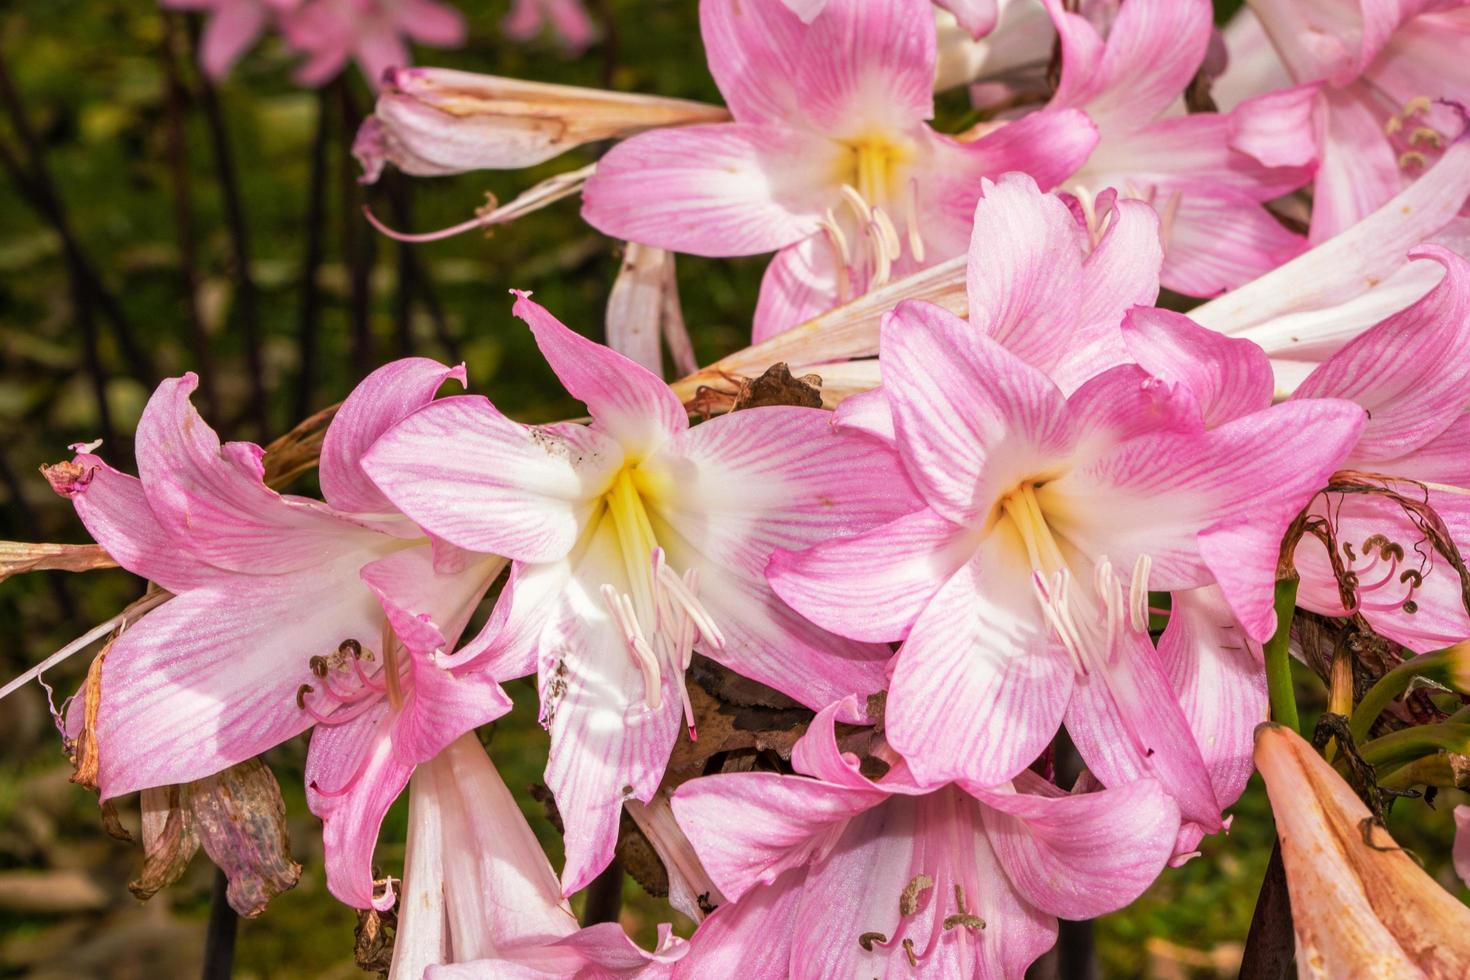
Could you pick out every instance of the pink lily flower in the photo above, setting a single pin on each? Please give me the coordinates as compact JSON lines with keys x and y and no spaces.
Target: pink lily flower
{"x":829,"y":162}
{"x":1019,"y":588}
{"x":480,"y":899}
{"x":977,"y":17}
{"x":637,"y":540}
{"x":287,"y":614}
{"x":1373,"y":79}
{"x":841,"y":875}
{"x":568,"y":20}
{"x":373,"y":32}
{"x":1409,"y":374}
{"x":1130,"y":79}
{"x":233,"y":27}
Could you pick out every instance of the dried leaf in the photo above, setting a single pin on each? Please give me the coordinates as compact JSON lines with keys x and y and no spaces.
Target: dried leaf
{"x":169,"y":841}
{"x":636,"y":305}
{"x":84,"y":754}
{"x":292,"y":454}
{"x":240,"y":819}
{"x":777,"y":387}
{"x":17,"y":557}
{"x":850,"y":331}
{"x":373,"y":937}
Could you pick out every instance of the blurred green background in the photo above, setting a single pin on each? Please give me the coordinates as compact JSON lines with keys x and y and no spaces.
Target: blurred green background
{"x":116,"y":108}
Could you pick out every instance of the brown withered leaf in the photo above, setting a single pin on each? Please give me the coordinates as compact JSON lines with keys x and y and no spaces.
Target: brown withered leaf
{"x":292,"y":454}
{"x":777,"y":387}
{"x":640,"y":860}
{"x":238,"y":817}
{"x":17,"y":557}
{"x":373,"y":937}
{"x":84,"y":756}
{"x":169,"y":841}
{"x":241,"y":822}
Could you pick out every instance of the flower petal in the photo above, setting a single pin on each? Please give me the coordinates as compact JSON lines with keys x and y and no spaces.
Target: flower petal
{"x":1406,"y":371}
{"x":1083,"y":855}
{"x":754,"y":49}
{"x":715,"y":189}
{"x":1218,"y":674}
{"x":471,"y":476}
{"x":867,"y":64}
{"x":388,"y":395}
{"x":979,"y":687}
{"x":972,"y":419}
{"x":750,"y":828}
{"x":1358,"y":171}
{"x":799,"y":285}
{"x":1228,"y":377}
{"x":1126,"y":722}
{"x":626,"y":400}
{"x":873,"y":585}
{"x":211,"y":498}
{"x":210,"y":678}
{"x":721,"y":946}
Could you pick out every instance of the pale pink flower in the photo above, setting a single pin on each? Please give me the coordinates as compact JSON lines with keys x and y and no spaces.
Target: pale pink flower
{"x":479,"y":897}
{"x":375,"y":33}
{"x":1129,"y":77}
{"x":636,"y":540}
{"x":1019,"y":586}
{"x":287,"y":614}
{"x":977,"y":17}
{"x":830,"y":160}
{"x":568,"y":20}
{"x":839,"y":875}
{"x":233,"y":27}
{"x":1373,"y":77}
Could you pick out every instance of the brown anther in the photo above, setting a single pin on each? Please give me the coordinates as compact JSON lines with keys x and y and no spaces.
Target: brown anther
{"x":908,"y":902}
{"x":350,"y":646}
{"x":1412,"y":575}
{"x":959,"y":898}
{"x":964,"y":919}
{"x":908,"y":950}
{"x":1417,"y":105}
{"x":1410,"y":606}
{"x":301,"y":693}
{"x":1392,"y":125}
{"x":867,"y":939}
{"x":1413,"y":160}
{"x":318,"y":666}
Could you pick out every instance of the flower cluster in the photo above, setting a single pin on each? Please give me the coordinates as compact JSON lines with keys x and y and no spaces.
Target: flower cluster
{"x":1045,"y":500}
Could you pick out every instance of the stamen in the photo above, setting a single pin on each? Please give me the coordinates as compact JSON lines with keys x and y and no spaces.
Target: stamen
{"x":1138,"y":594}
{"x":1167,"y":214}
{"x":843,"y":255}
{"x":908,"y":900}
{"x":679,"y":591}
{"x":1392,"y":125}
{"x":1417,"y":105}
{"x":621,"y":608}
{"x":911,"y":221}
{"x":1412,"y":160}
{"x":889,"y":241}
{"x":857,"y":203}
{"x":1427,"y":136}
{"x":880,"y":255}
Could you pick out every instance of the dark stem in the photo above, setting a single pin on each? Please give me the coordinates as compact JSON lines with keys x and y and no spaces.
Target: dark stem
{"x":400,"y":198}
{"x":1076,"y":946}
{"x":611,"y":42}
{"x":1270,"y":947}
{"x":178,"y":158}
{"x":436,"y":311}
{"x":246,"y":305}
{"x":219,"y":934}
{"x":308,"y":324}
{"x":33,"y":178}
{"x":357,"y":245}
{"x":605,"y":896}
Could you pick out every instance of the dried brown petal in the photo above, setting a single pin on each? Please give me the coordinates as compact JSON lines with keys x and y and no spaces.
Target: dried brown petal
{"x":169,"y":842}
{"x":17,"y":557}
{"x":240,"y":819}
{"x":84,"y":754}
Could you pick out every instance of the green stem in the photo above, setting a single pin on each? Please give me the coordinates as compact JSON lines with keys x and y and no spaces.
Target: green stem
{"x":1278,"y":658}
{"x":1414,"y":743}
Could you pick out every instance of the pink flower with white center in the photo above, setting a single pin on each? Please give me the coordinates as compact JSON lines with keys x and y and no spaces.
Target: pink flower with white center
{"x":1373,"y":79}
{"x":1410,"y":375}
{"x":845,"y":876}
{"x":978,"y":17}
{"x":830,"y":160}
{"x":1130,"y":79}
{"x":637,"y":540}
{"x":287,"y":614}
{"x":234,"y":25}
{"x":373,"y":32}
{"x":1020,"y":587}
{"x":568,"y":20}
{"x":480,"y":898}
